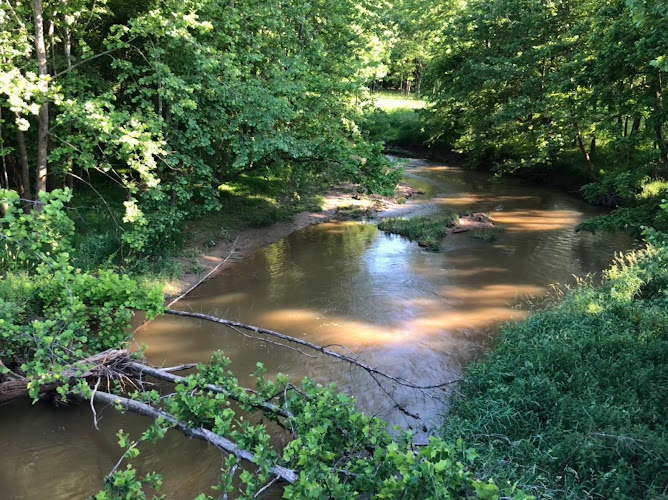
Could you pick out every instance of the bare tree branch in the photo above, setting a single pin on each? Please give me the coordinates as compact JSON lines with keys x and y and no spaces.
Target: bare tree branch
{"x":315,"y":347}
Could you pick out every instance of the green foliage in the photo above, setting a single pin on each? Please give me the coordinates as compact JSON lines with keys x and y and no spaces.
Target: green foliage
{"x":643,"y":199}
{"x":570,"y":403}
{"x":427,"y":231}
{"x":528,"y":85}
{"x":400,"y":127}
{"x":337,"y":451}
{"x":51,"y":314}
{"x":171,"y":100}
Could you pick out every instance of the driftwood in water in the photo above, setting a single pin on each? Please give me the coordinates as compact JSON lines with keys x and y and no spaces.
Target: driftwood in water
{"x":219,"y":442}
{"x":323,"y":350}
{"x":472,"y":222}
{"x":113,"y":363}
{"x":117,"y":363}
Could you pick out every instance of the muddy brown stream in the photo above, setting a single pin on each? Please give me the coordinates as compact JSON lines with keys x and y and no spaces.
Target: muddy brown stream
{"x":412,"y":313}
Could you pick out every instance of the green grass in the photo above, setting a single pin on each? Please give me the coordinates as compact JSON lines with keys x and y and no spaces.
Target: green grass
{"x":258,"y":201}
{"x":250,"y":201}
{"x":427,"y":231}
{"x":390,"y":101}
{"x":572,"y":402}
{"x":396,"y":120}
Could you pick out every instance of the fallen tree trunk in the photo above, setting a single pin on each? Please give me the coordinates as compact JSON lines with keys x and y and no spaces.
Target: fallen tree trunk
{"x":219,"y":442}
{"x":162,"y":374}
{"x":18,"y":387}
{"x":112,"y":363}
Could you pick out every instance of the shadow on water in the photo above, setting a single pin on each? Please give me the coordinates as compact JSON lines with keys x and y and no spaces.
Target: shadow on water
{"x":419,"y":315}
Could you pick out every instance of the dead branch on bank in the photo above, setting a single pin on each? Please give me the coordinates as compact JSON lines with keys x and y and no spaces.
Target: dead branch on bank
{"x":323,"y":350}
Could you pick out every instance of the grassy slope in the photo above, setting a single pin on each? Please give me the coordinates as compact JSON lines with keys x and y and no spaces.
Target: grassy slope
{"x":573,"y":403}
{"x":248,"y":202}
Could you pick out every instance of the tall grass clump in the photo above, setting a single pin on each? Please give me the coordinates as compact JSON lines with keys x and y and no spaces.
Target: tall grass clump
{"x":573,"y":402}
{"x":427,"y":231}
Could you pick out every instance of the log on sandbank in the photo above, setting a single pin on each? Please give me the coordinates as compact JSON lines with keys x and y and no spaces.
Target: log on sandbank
{"x":472,"y":222}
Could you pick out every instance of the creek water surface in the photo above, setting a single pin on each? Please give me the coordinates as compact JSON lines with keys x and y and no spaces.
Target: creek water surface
{"x":414,"y":314}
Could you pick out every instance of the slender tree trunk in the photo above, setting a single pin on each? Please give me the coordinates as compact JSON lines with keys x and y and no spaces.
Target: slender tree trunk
{"x":69,"y":180}
{"x":52,"y":30}
{"x":585,"y":153}
{"x":635,"y":128}
{"x":592,"y":147}
{"x":4,"y":182}
{"x":43,"y":131}
{"x":26,"y":191}
{"x":626,"y":127}
{"x":658,"y":120}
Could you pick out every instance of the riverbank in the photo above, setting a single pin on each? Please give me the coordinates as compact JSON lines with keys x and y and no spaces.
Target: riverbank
{"x":571,"y":403}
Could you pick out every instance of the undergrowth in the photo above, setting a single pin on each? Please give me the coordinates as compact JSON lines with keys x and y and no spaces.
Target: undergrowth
{"x":572,"y":403}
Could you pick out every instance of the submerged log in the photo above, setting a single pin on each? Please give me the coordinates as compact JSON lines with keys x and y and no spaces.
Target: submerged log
{"x":235,"y":325}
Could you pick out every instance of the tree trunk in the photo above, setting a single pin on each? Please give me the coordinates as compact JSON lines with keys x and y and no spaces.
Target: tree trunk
{"x":26,"y":191}
{"x":658,"y":120}
{"x":43,"y":131}
{"x":4,"y":182}
{"x":69,"y":180}
{"x":626,"y":127}
{"x":18,"y":387}
{"x":585,"y":153}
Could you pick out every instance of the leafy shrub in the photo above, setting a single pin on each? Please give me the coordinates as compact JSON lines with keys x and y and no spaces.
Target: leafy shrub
{"x":338,"y":452}
{"x":52,"y":315}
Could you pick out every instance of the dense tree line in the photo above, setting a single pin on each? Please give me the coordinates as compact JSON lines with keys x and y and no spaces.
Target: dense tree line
{"x":525,"y":81}
{"x":172,"y":99}
{"x":562,"y":86}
